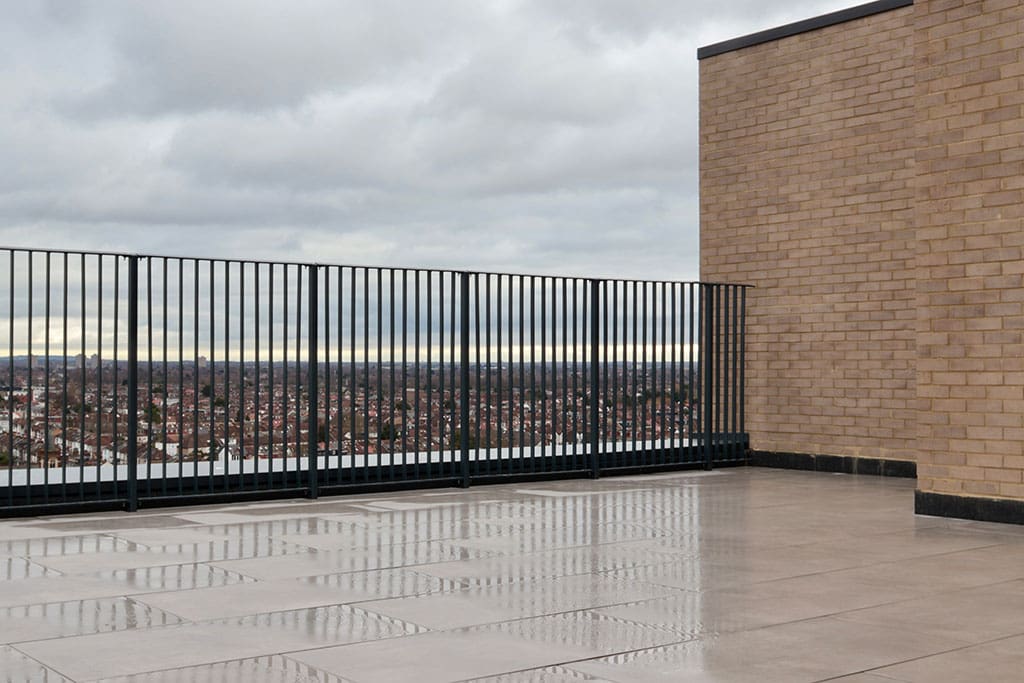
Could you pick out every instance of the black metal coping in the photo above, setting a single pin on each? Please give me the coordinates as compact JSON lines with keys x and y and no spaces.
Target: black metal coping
{"x":834,"y":463}
{"x":1000,"y":510}
{"x":796,"y":28}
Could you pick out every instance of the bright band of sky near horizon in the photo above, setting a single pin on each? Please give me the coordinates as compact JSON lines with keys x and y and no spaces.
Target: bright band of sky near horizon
{"x":552,"y":356}
{"x":79,"y":305}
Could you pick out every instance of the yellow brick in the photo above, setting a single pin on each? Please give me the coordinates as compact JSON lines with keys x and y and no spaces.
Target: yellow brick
{"x":866,"y":178}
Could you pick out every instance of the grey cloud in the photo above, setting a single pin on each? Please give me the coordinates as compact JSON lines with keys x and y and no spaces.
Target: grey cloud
{"x":533,"y":75}
{"x":596,"y":22}
{"x":521,"y":135}
{"x":245,"y":55}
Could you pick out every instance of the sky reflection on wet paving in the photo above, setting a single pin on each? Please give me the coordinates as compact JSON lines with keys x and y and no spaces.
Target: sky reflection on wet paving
{"x":647,"y":578}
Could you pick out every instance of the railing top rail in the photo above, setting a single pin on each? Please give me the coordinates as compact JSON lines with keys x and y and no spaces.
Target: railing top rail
{"x":396,"y":268}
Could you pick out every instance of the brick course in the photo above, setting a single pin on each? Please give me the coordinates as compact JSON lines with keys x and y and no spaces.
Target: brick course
{"x":970,"y":302}
{"x":807,"y":165}
{"x":868,"y":178}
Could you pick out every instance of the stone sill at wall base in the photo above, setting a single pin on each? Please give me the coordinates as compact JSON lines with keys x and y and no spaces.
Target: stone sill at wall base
{"x":834,"y":463}
{"x":1002,"y":510}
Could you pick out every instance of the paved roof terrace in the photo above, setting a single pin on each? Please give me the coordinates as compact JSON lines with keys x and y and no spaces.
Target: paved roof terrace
{"x":739,"y":574}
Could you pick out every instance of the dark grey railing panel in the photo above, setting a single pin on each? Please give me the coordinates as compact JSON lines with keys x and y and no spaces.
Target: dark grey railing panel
{"x":133,"y":379}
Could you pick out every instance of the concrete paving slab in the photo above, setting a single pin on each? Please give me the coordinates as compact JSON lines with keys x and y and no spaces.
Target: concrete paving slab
{"x":725,"y":576}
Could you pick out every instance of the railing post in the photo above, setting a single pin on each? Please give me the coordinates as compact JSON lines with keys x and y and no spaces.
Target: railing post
{"x":595,"y":380}
{"x":743,"y":362}
{"x":707,"y":356}
{"x":312,"y":382}
{"x":132,"y":503}
{"x":464,"y":376}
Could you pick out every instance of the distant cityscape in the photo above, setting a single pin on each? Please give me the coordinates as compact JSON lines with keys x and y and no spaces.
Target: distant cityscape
{"x":74,"y":411}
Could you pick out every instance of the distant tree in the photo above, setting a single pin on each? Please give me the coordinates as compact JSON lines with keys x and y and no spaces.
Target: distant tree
{"x":388,"y":432}
{"x":457,"y":438}
{"x":205,"y":391}
{"x":153,"y":413}
{"x":219,"y":402}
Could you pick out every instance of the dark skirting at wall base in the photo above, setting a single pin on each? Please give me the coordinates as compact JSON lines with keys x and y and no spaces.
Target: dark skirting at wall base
{"x":969,"y":507}
{"x":834,"y":463}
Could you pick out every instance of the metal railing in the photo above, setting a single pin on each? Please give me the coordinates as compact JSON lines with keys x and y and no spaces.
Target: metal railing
{"x":139,"y":380}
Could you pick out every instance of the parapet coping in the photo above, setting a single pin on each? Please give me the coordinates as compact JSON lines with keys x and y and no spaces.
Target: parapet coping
{"x":804,"y":26}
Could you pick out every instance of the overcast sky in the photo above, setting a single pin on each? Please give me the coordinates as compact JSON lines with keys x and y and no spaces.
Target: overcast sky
{"x":547,"y":136}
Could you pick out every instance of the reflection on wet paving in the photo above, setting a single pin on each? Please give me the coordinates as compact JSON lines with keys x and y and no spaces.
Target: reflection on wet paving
{"x":538,"y":536}
{"x":386,"y":583}
{"x":18,"y":668}
{"x":78,"y":617}
{"x":647,"y":578}
{"x":314,"y":562}
{"x":267,"y":529}
{"x":271,"y":669}
{"x":173,"y":577}
{"x":506,"y":601}
{"x":357,"y":535}
{"x":678,"y":661}
{"x":549,"y":674}
{"x":107,"y":522}
{"x":544,"y":565}
{"x":206,"y":547}
{"x":689,"y":614}
{"x":66,"y":545}
{"x":584,"y":631}
{"x":232,"y":549}
{"x":275,"y":537}
{"x":331,"y":625}
{"x":13,"y":568}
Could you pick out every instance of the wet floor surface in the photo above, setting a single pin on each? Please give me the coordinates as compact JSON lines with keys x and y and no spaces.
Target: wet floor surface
{"x":734,"y":575}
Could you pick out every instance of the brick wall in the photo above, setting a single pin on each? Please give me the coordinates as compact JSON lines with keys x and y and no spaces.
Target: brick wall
{"x":969,"y":206}
{"x":806,"y":181}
